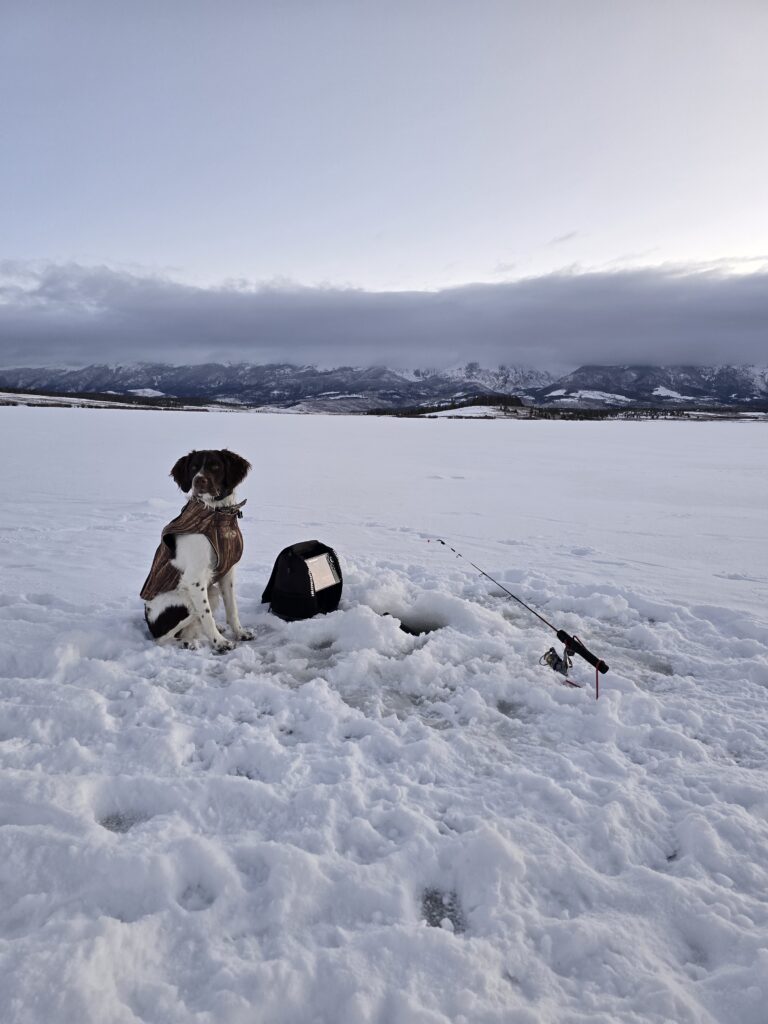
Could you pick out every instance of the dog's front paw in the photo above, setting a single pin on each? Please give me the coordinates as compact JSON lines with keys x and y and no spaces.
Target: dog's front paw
{"x":243,"y":634}
{"x":222,"y":646}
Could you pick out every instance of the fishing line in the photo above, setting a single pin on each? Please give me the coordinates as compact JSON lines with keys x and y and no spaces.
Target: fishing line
{"x":572,"y":644}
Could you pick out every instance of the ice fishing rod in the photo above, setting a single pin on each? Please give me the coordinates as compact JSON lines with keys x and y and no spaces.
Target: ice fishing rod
{"x":572,"y":644}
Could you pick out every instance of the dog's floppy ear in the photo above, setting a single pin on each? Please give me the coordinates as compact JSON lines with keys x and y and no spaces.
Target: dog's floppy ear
{"x":236,"y":469}
{"x":182,"y":473}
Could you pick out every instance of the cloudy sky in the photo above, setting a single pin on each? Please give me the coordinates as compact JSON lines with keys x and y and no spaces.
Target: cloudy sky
{"x":538,"y":181}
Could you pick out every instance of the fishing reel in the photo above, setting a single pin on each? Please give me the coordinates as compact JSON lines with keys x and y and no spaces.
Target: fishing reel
{"x":556,"y":662}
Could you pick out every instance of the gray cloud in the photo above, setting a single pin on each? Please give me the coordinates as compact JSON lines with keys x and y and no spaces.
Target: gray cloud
{"x":72,"y":315}
{"x":567,"y":237}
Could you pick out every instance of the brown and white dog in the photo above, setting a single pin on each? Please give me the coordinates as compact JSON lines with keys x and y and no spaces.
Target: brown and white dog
{"x":195,"y":562}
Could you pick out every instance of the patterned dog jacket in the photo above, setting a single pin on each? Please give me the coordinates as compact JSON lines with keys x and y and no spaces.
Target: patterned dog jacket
{"x":219,"y":525}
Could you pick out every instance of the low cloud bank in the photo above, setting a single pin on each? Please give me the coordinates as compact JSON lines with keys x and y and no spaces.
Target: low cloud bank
{"x":73,"y":315}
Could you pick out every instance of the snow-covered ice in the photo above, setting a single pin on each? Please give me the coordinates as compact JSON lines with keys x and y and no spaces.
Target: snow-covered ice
{"x":477,"y":412}
{"x":342,"y":822}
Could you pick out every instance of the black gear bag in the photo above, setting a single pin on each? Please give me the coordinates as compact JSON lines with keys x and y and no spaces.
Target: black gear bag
{"x":305,"y":581}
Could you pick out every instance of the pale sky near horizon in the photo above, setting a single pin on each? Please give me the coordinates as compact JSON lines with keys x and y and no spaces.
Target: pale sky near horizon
{"x":399,"y":146}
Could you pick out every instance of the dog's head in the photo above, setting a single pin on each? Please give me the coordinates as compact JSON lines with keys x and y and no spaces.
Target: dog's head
{"x":214,"y":473}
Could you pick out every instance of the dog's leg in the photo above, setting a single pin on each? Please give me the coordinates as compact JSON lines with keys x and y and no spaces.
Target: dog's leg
{"x":195,"y":559}
{"x":191,"y":637}
{"x":214,"y":596}
{"x":227,"y":587}
{"x":176,"y":634}
{"x":196,"y":594}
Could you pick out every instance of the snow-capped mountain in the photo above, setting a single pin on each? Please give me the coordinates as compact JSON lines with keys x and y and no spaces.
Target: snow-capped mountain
{"x":504,"y":379}
{"x":358,"y":389}
{"x":655,"y":386}
{"x":344,"y":388}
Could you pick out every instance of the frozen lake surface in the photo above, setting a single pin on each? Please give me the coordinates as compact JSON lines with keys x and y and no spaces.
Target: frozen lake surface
{"x":341,"y":822}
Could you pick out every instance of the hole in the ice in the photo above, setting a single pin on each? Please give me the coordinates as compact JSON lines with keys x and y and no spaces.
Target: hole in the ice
{"x":416,"y":625}
{"x":439,"y":907}
{"x":122,"y":822}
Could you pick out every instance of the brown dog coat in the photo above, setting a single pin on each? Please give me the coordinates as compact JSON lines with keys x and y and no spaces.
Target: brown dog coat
{"x":219,"y":525}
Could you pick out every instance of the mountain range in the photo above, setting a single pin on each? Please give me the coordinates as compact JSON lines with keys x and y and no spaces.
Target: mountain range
{"x":659,"y":386}
{"x":360,"y":389}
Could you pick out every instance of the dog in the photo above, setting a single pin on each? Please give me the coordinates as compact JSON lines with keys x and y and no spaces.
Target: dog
{"x":199,"y":549}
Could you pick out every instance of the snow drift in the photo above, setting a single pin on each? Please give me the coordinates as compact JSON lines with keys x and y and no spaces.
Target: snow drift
{"x":345,"y":822}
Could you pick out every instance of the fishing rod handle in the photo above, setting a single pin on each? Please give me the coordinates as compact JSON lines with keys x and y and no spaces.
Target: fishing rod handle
{"x":578,"y":648}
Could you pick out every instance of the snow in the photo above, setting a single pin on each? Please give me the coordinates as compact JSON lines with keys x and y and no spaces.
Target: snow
{"x":343,"y":822}
{"x":472,"y":412}
{"x":15,"y":397}
{"x":28,"y":398}
{"x":668,"y":393}
{"x":597,"y":396}
{"x":147,"y":392}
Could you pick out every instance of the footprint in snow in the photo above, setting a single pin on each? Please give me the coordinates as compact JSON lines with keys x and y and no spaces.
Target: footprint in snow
{"x":122,"y":822}
{"x":443,"y":910}
{"x":196,"y":897}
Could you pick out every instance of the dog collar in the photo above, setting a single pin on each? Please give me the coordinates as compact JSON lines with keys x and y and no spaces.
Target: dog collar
{"x":226,"y":510}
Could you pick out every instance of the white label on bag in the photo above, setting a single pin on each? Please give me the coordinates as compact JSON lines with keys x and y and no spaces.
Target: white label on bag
{"x":322,"y":572}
